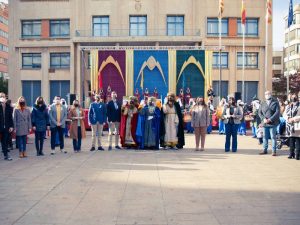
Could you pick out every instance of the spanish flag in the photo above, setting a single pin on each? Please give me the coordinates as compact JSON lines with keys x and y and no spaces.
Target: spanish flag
{"x":243,"y":13}
{"x":269,"y":11}
{"x":221,"y":8}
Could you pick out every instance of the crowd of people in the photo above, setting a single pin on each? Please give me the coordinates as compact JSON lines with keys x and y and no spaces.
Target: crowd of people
{"x":149,"y":124}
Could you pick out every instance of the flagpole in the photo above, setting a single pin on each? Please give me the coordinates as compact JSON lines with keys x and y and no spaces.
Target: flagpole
{"x":243,"y":72}
{"x":220,"y":57}
{"x":266,"y":54}
{"x":288,"y":65}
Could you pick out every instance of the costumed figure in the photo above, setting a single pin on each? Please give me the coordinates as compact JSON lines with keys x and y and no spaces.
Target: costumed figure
{"x":171,"y":130}
{"x":137,"y":94}
{"x":155,"y":93}
{"x":128,"y":125}
{"x":108,"y":93}
{"x":146,"y":93}
{"x":148,"y":125}
{"x":181,"y":95}
{"x":187,"y":97}
{"x":101,"y":93}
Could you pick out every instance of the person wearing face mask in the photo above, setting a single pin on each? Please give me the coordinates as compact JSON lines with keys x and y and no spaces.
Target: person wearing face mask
{"x":97,"y":118}
{"x":40,"y":123}
{"x":269,"y":113}
{"x":148,"y":125}
{"x":232,"y":116}
{"x":113,"y":119}
{"x":6,"y":124}
{"x":171,"y":126}
{"x":22,"y":125}
{"x":200,"y":121}
{"x":57,"y":117}
{"x":292,"y":116}
{"x":77,"y":128}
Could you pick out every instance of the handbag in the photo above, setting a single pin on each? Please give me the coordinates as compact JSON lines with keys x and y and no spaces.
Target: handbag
{"x":219,"y":112}
{"x":187,"y":118}
{"x":249,"y":118}
{"x":297,"y":124}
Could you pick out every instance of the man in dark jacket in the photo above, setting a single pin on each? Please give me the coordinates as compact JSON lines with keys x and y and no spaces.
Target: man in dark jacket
{"x":113,"y":119}
{"x":6,"y":124}
{"x":269,"y":113}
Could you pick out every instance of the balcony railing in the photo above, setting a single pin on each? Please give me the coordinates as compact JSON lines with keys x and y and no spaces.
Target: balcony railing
{"x":137,"y":33}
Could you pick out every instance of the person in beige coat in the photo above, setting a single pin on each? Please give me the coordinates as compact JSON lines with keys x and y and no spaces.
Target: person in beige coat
{"x":77,"y":129}
{"x":200,"y":121}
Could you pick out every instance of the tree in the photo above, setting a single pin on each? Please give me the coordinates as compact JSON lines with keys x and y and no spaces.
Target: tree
{"x":3,"y":85}
{"x":280,"y":84}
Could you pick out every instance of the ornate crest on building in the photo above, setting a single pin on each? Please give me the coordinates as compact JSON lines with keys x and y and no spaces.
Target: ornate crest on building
{"x":138,"y":5}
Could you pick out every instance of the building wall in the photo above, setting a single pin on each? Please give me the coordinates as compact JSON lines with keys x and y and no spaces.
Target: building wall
{"x":81,"y":13}
{"x":4,"y":40}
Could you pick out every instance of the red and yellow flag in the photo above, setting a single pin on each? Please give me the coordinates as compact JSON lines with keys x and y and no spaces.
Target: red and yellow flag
{"x":269,"y":11}
{"x":243,"y":13}
{"x":221,"y":8}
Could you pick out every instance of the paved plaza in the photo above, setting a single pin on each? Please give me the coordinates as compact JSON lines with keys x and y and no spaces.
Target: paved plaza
{"x":151,"y":188}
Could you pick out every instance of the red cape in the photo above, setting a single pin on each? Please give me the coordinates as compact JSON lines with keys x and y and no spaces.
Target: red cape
{"x":134,"y":121}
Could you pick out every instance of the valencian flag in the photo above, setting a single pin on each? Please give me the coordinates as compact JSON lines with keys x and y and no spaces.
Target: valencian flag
{"x":221,"y":8}
{"x":243,"y":13}
{"x":269,"y":11}
{"x":291,"y":14}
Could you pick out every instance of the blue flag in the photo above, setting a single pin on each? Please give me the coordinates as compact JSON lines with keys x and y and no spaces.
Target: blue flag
{"x":291,"y":14}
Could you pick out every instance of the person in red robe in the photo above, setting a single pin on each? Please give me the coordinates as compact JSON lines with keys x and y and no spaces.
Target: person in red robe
{"x":146,"y":93}
{"x":102,"y":94}
{"x":137,"y":94}
{"x":108,"y":94}
{"x":181,"y":95}
{"x":129,"y":119}
{"x":155,"y":93}
{"x":187,"y":97}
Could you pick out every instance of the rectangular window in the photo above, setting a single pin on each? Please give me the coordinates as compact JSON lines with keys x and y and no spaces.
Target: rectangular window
{"x":59,"y":60}
{"x":224,"y":60}
{"x":59,"y":28}
{"x":251,"y":28}
{"x":138,"y":25}
{"x":60,"y":88}
{"x":3,"y":61}
{"x":100,"y":26}
{"x":3,"y":48}
{"x":251,"y":60}
{"x":31,"y":61}
{"x":276,"y":60}
{"x":31,"y":90}
{"x":250,"y":90}
{"x":3,"y":34}
{"x":3,"y":20}
{"x":224,"y":88}
{"x":175,"y":25}
{"x":213,"y":26}
{"x":89,"y":60}
{"x":31,"y":28}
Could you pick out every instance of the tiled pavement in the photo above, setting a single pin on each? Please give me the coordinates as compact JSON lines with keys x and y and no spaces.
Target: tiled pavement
{"x":151,"y":188}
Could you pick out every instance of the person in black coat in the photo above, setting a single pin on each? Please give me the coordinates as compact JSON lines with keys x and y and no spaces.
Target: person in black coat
{"x":113,"y":119}
{"x":40,"y":123}
{"x":167,"y":138}
{"x":6,"y":124}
